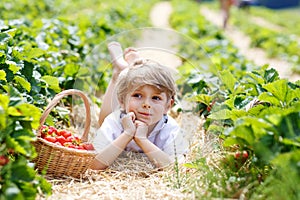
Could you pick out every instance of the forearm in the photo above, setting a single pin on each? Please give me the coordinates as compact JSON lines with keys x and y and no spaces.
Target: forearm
{"x":109,"y":154}
{"x":155,"y":155}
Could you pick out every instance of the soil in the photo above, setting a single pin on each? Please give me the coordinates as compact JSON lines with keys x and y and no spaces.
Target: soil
{"x":159,"y":42}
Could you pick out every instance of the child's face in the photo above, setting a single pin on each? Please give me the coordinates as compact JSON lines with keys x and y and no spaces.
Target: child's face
{"x":148,"y":104}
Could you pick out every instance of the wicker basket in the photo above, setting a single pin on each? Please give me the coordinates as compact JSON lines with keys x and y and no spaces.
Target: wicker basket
{"x":59,"y":161}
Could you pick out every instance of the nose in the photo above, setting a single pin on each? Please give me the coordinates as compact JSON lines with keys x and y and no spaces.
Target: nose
{"x":146,"y":105}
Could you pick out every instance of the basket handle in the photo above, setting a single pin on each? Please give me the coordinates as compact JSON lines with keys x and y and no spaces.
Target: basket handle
{"x":57,"y":98}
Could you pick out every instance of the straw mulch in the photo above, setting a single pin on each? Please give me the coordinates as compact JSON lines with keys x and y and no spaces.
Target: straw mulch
{"x":132,"y":176}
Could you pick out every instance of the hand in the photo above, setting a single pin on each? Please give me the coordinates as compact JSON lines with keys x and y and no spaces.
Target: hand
{"x":141,"y":130}
{"x":128,"y":123}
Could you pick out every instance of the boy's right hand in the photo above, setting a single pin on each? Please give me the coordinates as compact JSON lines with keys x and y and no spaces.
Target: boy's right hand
{"x":128,"y":124}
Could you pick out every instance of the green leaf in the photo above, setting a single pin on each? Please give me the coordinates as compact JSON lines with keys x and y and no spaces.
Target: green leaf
{"x":13,"y":66}
{"x":52,"y":82}
{"x":191,"y":165}
{"x":271,"y":75}
{"x":236,"y":114}
{"x":45,"y":186}
{"x":13,"y":192}
{"x":201,"y":98}
{"x":228,"y":80}
{"x":258,"y":125}
{"x":287,"y":141}
{"x":2,"y":57}
{"x":12,"y":143}
{"x":71,"y":69}
{"x":30,"y":113}
{"x":242,"y":132}
{"x":231,"y":141}
{"x":34,"y":53}
{"x":4,"y":101}
{"x":278,"y":89}
{"x":27,"y":71}
{"x":12,"y":32}
{"x":15,"y":96}
{"x":256,"y":77}
{"x":4,"y":37}
{"x":267,"y":97}
{"x":292,"y":95}
{"x":283,"y":159}
{"x":256,"y":110}
{"x":215,"y":129}
{"x":23,"y":82}
{"x":12,"y":111}
{"x":23,"y":173}
{"x":221,"y":114}
{"x":29,"y":190}
{"x":2,"y":75}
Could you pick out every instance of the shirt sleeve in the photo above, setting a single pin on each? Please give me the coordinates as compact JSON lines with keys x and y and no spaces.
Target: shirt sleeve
{"x":106,"y":133}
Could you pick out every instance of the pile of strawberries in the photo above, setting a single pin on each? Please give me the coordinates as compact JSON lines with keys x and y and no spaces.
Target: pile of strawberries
{"x":64,"y":138}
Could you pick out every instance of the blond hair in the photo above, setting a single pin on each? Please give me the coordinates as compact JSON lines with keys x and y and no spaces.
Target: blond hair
{"x":147,"y":73}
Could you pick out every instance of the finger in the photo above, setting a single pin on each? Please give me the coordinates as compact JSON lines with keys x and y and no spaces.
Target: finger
{"x":140,"y":123}
{"x":132,"y":115}
{"x":127,"y":122}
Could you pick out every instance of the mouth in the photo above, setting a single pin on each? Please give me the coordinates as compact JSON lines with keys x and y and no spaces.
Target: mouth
{"x":143,"y":114}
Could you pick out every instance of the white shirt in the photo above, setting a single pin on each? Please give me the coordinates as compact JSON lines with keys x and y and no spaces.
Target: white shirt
{"x":166,"y":136}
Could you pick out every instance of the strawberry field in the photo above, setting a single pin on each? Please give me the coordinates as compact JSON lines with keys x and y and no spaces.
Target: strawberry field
{"x":250,"y":115}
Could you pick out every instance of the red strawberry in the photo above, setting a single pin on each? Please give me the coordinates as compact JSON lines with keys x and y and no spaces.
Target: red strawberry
{"x":50,"y":139}
{"x":245,"y":154}
{"x":88,"y":146}
{"x":3,"y":160}
{"x":61,"y":139}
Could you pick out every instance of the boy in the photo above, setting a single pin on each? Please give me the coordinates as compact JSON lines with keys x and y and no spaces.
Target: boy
{"x":145,"y":91}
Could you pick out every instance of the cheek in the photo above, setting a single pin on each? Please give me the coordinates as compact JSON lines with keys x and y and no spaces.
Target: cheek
{"x":160,"y":108}
{"x":131,"y":104}
{"x":167,"y":107}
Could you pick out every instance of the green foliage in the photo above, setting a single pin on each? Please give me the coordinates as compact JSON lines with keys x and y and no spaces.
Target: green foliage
{"x":265,"y":121}
{"x":17,"y":176}
{"x":283,"y":182}
{"x":47,"y":47}
{"x":251,"y":110}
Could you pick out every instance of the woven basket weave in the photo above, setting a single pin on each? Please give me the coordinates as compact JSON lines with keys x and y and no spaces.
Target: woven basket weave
{"x":59,"y":161}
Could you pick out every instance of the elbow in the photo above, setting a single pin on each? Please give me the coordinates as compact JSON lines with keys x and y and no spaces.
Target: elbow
{"x":97,"y":165}
{"x":163,"y":163}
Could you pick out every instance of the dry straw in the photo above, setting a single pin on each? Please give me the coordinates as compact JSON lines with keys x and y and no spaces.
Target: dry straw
{"x":59,"y":161}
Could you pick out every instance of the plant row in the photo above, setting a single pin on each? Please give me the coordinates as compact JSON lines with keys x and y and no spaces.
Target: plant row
{"x":281,"y":41}
{"x":253,"y":112}
{"x":277,"y":43}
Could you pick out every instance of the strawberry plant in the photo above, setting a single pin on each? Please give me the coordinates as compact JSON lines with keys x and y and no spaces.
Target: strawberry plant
{"x":44,"y":49}
{"x":264,"y":112}
{"x":252,"y":111}
{"x":18,"y":179}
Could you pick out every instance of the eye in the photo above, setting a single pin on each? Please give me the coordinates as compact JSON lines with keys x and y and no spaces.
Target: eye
{"x":158,"y":98}
{"x":137,"y":95}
